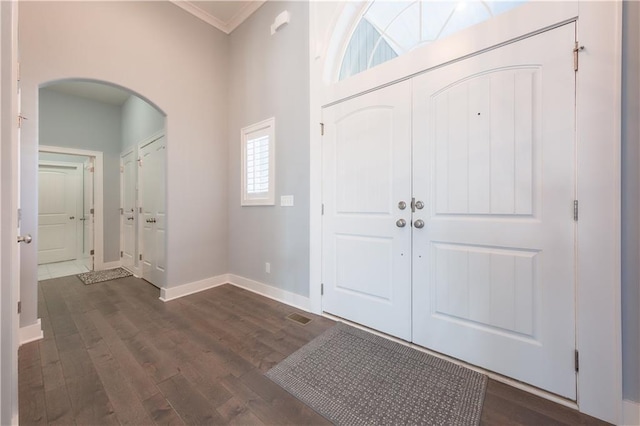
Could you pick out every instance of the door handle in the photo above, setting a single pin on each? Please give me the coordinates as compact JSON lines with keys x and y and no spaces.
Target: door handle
{"x":83,"y":219}
{"x":419,"y":223}
{"x":25,"y":239}
{"x":130,"y":218}
{"x":400,"y":223}
{"x":71,"y":217}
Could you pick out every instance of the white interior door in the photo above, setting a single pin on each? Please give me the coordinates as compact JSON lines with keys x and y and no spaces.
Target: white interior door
{"x":494,"y":164}
{"x":87,"y":215}
{"x":152,"y":188}
{"x":58,"y":198}
{"x":366,"y":173}
{"x":129,"y":214}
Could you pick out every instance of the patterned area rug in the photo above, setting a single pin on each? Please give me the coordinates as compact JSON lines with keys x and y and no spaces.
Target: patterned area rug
{"x":100,"y":276}
{"x":352,"y":377}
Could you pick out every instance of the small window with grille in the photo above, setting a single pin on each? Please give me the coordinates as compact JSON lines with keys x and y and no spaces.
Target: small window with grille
{"x":258,"y":164}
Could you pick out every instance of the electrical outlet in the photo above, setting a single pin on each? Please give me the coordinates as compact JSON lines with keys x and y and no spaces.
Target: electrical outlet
{"x":267,"y":267}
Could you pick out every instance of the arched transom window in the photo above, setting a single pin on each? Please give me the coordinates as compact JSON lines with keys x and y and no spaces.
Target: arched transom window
{"x":389,"y":29}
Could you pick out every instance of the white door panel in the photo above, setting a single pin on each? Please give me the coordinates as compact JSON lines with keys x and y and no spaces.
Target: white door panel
{"x":57,"y":212}
{"x":366,"y":257}
{"x":494,"y":163}
{"x":152,"y":188}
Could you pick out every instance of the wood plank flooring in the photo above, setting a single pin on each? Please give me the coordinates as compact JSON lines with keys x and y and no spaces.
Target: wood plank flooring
{"x":113,"y":353}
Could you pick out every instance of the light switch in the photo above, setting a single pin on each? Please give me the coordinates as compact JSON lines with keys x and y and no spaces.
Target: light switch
{"x":286,"y":200}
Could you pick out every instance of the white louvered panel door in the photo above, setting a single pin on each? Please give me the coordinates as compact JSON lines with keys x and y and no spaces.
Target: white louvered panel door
{"x":366,"y":172}
{"x":494,"y":164}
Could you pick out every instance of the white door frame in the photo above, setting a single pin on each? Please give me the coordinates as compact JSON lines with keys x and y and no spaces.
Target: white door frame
{"x":9,"y":221}
{"x":98,"y":217}
{"x":598,"y":293}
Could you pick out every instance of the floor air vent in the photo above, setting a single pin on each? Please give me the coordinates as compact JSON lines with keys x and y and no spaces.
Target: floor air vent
{"x":300,"y":319}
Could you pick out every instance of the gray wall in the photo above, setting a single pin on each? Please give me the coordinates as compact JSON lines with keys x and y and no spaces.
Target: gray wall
{"x":269,"y":77}
{"x":73,"y":122}
{"x":139,"y":121}
{"x":177,"y":62}
{"x":631,"y":201}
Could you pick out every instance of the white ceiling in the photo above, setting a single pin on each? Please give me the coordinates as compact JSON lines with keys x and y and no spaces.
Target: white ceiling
{"x":224,"y":15}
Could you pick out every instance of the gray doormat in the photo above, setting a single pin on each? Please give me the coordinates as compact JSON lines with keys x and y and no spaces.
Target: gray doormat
{"x":352,"y":377}
{"x":100,"y":276}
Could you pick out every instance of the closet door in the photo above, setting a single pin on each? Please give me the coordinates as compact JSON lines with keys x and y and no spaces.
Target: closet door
{"x":152,"y":199}
{"x":494,"y":165}
{"x":128,"y":169}
{"x":366,"y":254}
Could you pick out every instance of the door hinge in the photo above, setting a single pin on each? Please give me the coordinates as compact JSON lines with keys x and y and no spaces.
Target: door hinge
{"x":323,"y":208}
{"x":140,"y":256}
{"x":140,"y":210}
{"x":575,"y":210}
{"x":576,"y":51}
{"x":121,"y":254}
{"x":91,"y":211}
{"x":577,"y":361}
{"x":321,"y":129}
{"x":19,"y":307}
{"x":92,"y":252}
{"x":321,"y":289}
{"x":21,"y":118}
{"x":19,"y":217}
{"x":121,"y":210}
{"x":121,"y":169}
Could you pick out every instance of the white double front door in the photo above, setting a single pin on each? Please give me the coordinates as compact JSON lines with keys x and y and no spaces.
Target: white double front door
{"x":448,"y":210}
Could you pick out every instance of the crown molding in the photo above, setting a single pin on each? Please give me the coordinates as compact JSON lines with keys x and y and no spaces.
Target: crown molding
{"x":226,"y":27}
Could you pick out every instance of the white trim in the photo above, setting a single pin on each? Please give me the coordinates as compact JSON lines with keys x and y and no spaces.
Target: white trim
{"x":279,"y":295}
{"x":266,"y":290}
{"x":98,"y":194}
{"x":225,"y":27}
{"x":631,"y":412}
{"x":167,"y":294}
{"x":598,"y":316}
{"x":31,"y":333}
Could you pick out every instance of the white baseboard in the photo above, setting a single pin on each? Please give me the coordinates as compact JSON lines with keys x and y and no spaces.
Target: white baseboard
{"x":630,"y":412}
{"x":167,"y":294}
{"x":30,"y":333}
{"x":271,"y":292}
{"x":283,"y":296}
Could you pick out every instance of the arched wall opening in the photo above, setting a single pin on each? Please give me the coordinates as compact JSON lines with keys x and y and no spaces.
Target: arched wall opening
{"x":93,"y":123}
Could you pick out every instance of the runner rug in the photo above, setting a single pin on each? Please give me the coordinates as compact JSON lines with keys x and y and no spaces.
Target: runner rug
{"x":352,"y":377}
{"x":94,"y":277}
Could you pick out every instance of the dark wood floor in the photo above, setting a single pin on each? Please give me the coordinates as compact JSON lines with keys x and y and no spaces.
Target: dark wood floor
{"x":113,"y":353}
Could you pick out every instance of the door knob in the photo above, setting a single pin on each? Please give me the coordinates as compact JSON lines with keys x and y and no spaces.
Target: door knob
{"x":71,"y":217}
{"x":419,"y":223}
{"x":25,"y":239}
{"x":400,"y":223}
{"x":402,"y":205}
{"x":419,"y":205}
{"x":83,"y":219}
{"x":130,"y":218}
